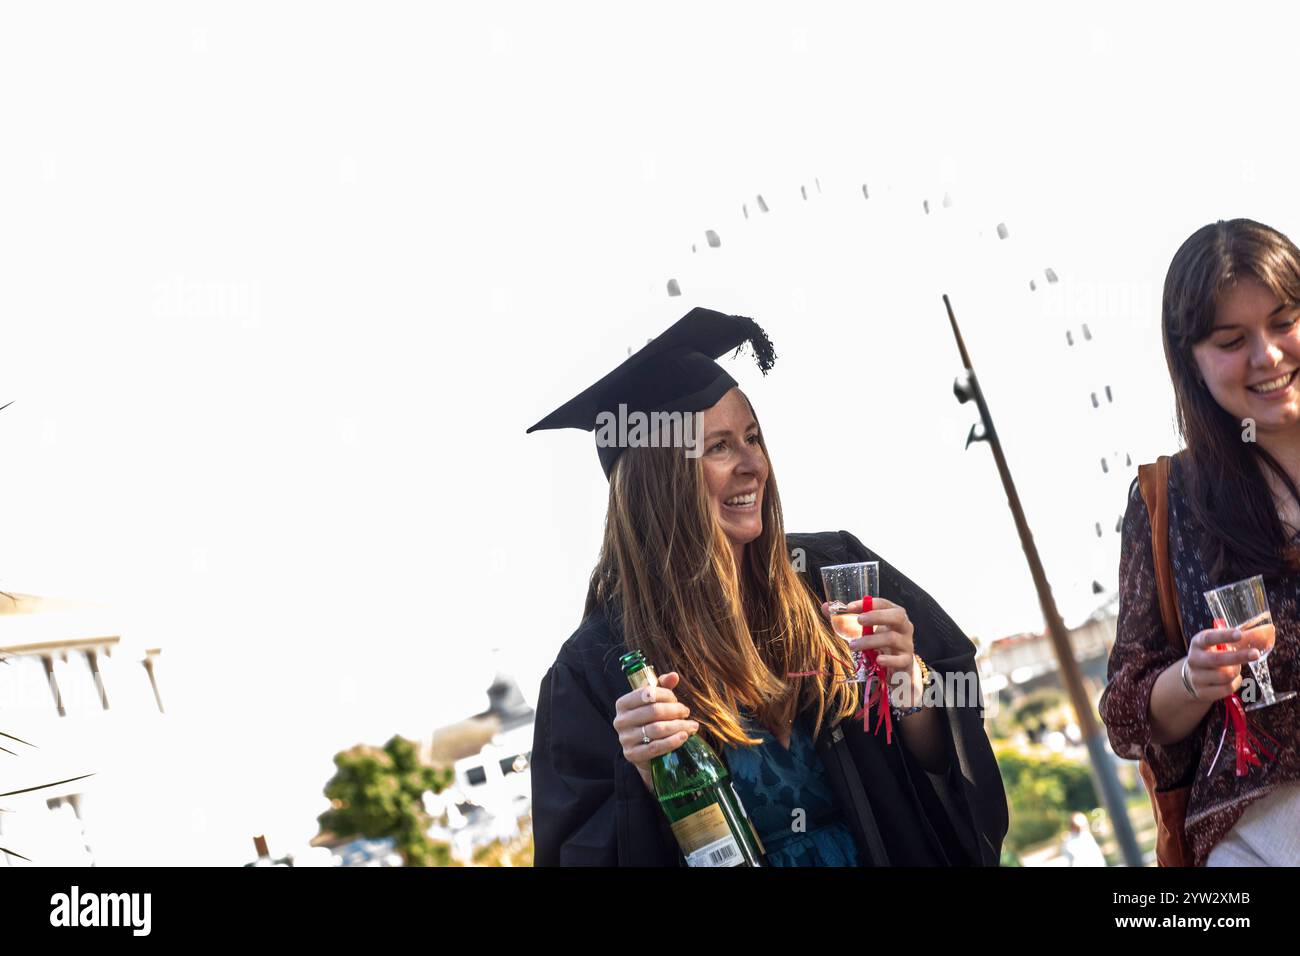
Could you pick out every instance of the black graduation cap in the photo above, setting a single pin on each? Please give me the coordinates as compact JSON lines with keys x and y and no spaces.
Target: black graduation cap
{"x":674,"y":372}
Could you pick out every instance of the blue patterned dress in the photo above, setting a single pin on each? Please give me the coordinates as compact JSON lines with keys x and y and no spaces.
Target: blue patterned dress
{"x":773,"y":782}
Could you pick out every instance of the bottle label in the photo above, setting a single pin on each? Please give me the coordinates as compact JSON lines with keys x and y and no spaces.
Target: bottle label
{"x":706,"y":839}
{"x":722,"y":853}
{"x":645,"y":677}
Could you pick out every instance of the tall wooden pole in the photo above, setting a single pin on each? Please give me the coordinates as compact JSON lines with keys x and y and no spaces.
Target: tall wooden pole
{"x":1103,"y":768}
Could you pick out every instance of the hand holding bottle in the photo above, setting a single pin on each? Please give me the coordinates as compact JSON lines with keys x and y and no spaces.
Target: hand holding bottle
{"x":652,"y":712}
{"x":693,"y":786}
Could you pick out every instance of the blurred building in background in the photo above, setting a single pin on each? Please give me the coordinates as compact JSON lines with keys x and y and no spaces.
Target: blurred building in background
{"x":491,"y":795}
{"x":74,"y":697}
{"x":1021,"y":663}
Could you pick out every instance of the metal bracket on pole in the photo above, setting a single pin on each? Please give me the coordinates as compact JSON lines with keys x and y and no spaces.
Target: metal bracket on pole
{"x":966,"y":389}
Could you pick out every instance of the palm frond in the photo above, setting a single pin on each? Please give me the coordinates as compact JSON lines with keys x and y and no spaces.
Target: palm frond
{"x":46,"y":785}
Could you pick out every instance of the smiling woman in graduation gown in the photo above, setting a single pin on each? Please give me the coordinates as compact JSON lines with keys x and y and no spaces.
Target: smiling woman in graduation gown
{"x":943,"y":804}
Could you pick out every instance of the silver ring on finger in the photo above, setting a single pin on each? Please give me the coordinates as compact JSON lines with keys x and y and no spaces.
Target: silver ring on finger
{"x":645,"y":738}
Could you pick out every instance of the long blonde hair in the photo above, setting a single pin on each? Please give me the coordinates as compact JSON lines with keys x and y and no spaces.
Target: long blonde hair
{"x":667,"y":576}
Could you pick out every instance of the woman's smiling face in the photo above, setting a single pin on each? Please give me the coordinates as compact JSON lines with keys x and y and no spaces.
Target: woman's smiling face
{"x":1250,"y":358}
{"x":735,"y":467}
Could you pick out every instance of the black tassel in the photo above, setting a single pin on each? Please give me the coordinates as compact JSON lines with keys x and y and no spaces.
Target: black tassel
{"x":764,"y":353}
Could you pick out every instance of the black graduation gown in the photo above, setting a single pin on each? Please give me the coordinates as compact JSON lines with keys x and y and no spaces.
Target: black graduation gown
{"x":590,"y":807}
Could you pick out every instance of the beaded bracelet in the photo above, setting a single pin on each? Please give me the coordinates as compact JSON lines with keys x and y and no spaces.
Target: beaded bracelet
{"x":898,"y":712}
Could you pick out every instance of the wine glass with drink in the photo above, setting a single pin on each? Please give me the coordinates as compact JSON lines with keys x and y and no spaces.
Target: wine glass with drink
{"x":1243,"y":604}
{"x":844,"y":584}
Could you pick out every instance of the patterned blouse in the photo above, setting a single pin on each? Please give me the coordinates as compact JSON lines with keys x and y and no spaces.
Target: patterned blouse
{"x":1218,"y":797}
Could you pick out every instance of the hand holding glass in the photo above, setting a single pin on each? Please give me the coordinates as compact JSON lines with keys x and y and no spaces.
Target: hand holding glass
{"x":1244,"y":604}
{"x":844,"y":584}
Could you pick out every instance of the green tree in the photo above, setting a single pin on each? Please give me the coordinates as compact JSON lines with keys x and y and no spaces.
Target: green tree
{"x":1039,"y":712}
{"x":379,"y":792}
{"x":1042,"y":792}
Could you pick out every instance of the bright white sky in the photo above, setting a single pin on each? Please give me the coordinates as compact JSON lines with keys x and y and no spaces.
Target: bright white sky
{"x":284,"y":285}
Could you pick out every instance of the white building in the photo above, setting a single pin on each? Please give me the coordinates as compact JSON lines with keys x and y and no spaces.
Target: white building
{"x":77,"y":704}
{"x":489,"y":754}
{"x":1024,"y":662}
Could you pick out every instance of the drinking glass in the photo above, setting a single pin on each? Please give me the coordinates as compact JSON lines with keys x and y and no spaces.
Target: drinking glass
{"x":844,"y":584}
{"x":1244,"y":604}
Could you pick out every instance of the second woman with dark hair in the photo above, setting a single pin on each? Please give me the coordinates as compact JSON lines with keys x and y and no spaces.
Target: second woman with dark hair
{"x":1231,"y":326}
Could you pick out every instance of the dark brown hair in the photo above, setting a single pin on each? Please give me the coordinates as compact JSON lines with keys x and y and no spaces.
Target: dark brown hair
{"x":1226,"y":487}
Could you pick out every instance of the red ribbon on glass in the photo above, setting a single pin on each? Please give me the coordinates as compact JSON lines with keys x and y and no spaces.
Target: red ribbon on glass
{"x":875,"y":693}
{"x":877,"y":683}
{"x":1248,"y":746}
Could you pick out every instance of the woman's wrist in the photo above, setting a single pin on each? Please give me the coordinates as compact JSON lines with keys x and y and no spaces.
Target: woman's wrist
{"x":1187,"y":680}
{"x":1174,"y":713}
{"x":913,"y":689}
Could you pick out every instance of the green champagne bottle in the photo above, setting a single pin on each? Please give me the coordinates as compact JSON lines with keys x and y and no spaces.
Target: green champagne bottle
{"x":695,"y":791}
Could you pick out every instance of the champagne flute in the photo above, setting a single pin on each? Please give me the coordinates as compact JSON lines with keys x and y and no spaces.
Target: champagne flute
{"x":844,"y":584}
{"x":1244,"y":604}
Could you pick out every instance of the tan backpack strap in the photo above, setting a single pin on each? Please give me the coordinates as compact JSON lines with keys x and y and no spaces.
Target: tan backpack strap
{"x":1153,"y":482}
